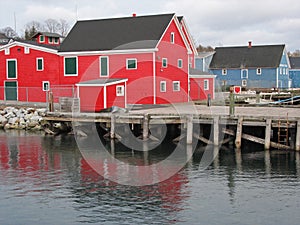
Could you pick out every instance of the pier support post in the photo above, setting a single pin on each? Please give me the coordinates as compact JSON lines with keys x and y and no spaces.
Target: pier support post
{"x":112,"y":127}
{"x":268,"y":134}
{"x":239,"y":131}
{"x":216,"y":130}
{"x":146,"y":127}
{"x":189,"y":127}
{"x":298,"y":136}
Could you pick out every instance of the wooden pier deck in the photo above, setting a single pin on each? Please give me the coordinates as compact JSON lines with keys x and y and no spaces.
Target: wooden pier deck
{"x":267,"y":118}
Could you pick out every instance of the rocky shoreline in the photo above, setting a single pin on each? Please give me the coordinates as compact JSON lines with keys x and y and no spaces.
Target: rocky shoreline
{"x":22,"y":118}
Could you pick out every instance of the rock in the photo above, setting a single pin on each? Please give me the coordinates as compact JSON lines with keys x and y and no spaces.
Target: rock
{"x":31,"y":124}
{"x":41,"y":112}
{"x":9,"y":115}
{"x":13,"y":120}
{"x":30,"y":110}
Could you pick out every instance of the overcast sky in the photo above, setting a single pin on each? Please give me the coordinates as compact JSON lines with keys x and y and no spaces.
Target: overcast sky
{"x":211,"y":22}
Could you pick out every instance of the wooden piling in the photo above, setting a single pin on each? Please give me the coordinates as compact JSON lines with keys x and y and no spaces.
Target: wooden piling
{"x":146,"y":127}
{"x":216,"y":130}
{"x":189,"y":126}
{"x":298,"y":136}
{"x":268,"y":134}
{"x":239,"y":131}
{"x":112,"y":126}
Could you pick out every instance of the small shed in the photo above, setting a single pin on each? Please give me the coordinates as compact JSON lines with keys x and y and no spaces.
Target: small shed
{"x":99,"y":94}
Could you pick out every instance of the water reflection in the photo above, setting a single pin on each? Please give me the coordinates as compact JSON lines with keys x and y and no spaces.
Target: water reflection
{"x":49,"y":176}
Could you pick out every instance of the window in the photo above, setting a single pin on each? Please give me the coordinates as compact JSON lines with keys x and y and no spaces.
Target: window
{"x":244,"y":74}
{"x":258,"y":71}
{"x":103,"y":66}
{"x":26,"y":50}
{"x":180,"y":63}
{"x":163,"y":86}
{"x":244,"y":83}
{"x":176,"y":85}
{"x":224,"y":71}
{"x":11,"y":69}
{"x":56,"y":40}
{"x":6,"y":51}
{"x":42,"y":38}
{"x":50,"y":40}
{"x":131,"y":64}
{"x":280,"y":70}
{"x":70,"y":66}
{"x":120,"y":90}
{"x":164,"y":63}
{"x":39,"y":64}
{"x":46,"y":85}
{"x":172,"y":38}
{"x":206,"y":85}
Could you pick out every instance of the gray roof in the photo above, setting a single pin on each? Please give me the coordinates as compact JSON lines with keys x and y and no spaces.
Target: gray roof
{"x":295,"y":62}
{"x":101,"y":81}
{"x":37,"y":44}
{"x":268,"y":56}
{"x":141,"y":32}
{"x":48,"y":34}
{"x":199,"y":72}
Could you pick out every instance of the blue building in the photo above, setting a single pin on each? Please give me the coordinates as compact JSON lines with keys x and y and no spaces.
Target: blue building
{"x":265,"y":66}
{"x":203,"y":61}
{"x":295,"y":71}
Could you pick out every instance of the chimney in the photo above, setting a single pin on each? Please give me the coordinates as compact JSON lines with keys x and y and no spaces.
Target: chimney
{"x":250,"y":44}
{"x":134,"y":15}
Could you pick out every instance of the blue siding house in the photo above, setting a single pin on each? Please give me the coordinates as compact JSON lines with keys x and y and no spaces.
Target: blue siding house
{"x":251,"y":67}
{"x":295,"y":72}
{"x":203,"y":61}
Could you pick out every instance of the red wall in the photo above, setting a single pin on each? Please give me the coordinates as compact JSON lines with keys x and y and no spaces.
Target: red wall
{"x":197,"y":91}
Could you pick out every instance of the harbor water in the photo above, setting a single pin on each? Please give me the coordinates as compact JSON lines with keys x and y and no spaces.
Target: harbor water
{"x":46,"y":180}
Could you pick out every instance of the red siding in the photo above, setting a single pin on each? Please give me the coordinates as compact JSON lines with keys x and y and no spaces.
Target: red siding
{"x":197,"y":88}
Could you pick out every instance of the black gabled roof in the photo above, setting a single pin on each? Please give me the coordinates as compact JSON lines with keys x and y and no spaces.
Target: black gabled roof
{"x":295,"y":62}
{"x":141,"y":32}
{"x":244,"y":57}
{"x":48,"y":34}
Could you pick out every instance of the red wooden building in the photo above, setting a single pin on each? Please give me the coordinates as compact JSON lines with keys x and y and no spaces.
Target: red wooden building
{"x":112,"y":62}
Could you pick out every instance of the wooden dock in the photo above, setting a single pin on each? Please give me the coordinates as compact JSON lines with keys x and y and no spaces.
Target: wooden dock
{"x":277,"y":127}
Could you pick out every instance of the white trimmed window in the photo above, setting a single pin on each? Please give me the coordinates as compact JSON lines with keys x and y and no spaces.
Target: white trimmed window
{"x":42,"y":38}
{"x":70,"y":66}
{"x":46,"y":85}
{"x":50,"y":40}
{"x":224,"y":71}
{"x":11,"y":69}
{"x":56,"y":40}
{"x":176,"y":86}
{"x":131,"y":64}
{"x":206,"y":85}
{"x":120,"y":90}
{"x":164,"y":63}
{"x":39,"y":64}
{"x":180,"y":63}
{"x":258,"y":71}
{"x":244,"y":83}
{"x":163,"y":86}
{"x":172,"y":38}
{"x":244,"y":74}
{"x":26,"y":50}
{"x":104,"y":66}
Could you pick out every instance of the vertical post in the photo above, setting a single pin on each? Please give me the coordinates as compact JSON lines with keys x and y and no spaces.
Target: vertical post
{"x":268,"y":134}
{"x":268,"y":162}
{"x":298,"y":136}
{"x":239,"y":130}
{"x":51,"y":104}
{"x":231,"y":98}
{"x":146,"y":127}
{"x":189,"y":126}
{"x":112,"y":126}
{"x":216,"y":131}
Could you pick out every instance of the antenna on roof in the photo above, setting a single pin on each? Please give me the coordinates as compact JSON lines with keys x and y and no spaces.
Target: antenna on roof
{"x":76,"y":10}
{"x":15,"y":21}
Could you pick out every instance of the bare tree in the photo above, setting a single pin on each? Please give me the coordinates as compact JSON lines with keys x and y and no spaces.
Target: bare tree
{"x":52,"y":25}
{"x":201,"y":48}
{"x":32,"y":28}
{"x":9,"y":32}
{"x":64,"y":27}
{"x":296,"y":53}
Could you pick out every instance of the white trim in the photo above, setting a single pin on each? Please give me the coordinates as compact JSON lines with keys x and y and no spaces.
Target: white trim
{"x":102,"y":85}
{"x":16,"y":66}
{"x":277,"y":77}
{"x":180,"y":60}
{"x":244,"y":83}
{"x":259,"y":71}
{"x":43,"y":85}
{"x":37,"y":64}
{"x":202,"y":76}
{"x":247,"y":73}
{"x":125,"y":92}
{"x":107,"y":66}
{"x":185,"y":26}
{"x":136,"y":64}
{"x":162,"y":63}
{"x":122,"y":90}
{"x":109,"y":52}
{"x":44,"y":37}
{"x":154,"y":78}
{"x":26,"y":50}
{"x":165,"y":85}
{"x":7,"y":51}
{"x":35,"y":47}
{"x":105,"y":98}
{"x":64,"y":64}
{"x":224,"y":72}
{"x":172,"y":37}
{"x":178,"y":83}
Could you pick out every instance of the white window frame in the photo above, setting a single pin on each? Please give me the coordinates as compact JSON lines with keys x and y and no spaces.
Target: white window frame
{"x":43,"y":85}
{"x":206,"y":85}
{"x":127,"y":64}
{"x":224,"y":72}
{"x":120,"y":90}
{"x":11,"y":78}
{"x":258,"y":71}
{"x":247,"y":73}
{"x":50,"y":40}
{"x":163,"y":86}
{"x":162,"y":63}
{"x":180,"y":61}
{"x":244,"y":83}
{"x":102,"y":57}
{"x":70,"y":75}
{"x":37,"y":64}
{"x":43,"y":38}
{"x":6,"y":51}
{"x":176,"y":84}
{"x":26,"y":50}
{"x":56,"y":40}
{"x":172,"y":38}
